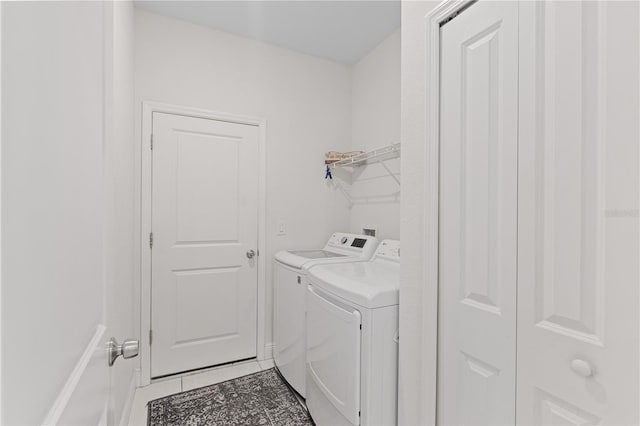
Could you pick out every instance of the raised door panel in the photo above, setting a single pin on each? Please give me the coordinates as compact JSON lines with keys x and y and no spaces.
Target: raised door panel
{"x":570,"y":168}
{"x":207,"y":201}
{"x":478,"y":201}
{"x":578,"y":212}
{"x":550,"y":410}
{"x":480,"y":174}
{"x":206,"y":305}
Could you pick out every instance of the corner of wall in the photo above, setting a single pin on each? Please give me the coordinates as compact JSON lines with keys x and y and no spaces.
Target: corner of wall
{"x":375,"y":123}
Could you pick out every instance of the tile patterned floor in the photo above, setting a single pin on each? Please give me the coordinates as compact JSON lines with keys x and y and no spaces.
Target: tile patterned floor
{"x":138,"y":416}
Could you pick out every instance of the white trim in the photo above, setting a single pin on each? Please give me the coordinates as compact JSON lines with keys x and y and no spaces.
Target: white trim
{"x":429,"y":303}
{"x":143,"y":194}
{"x":268,"y":351}
{"x":262,"y":241}
{"x":128,"y":404}
{"x":58,"y":407}
{"x":1,"y":7}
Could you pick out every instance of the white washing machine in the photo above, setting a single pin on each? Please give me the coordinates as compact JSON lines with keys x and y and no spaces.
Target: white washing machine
{"x":352,"y":340}
{"x":290,"y":281}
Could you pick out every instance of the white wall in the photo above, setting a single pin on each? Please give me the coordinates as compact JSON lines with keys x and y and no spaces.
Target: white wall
{"x":51,"y":198}
{"x":416,"y":386}
{"x":375,"y":115}
{"x":305,"y":100}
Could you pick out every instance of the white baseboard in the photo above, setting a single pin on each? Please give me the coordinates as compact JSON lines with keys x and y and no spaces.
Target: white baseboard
{"x":126,"y":410}
{"x":72,"y":403}
{"x":268,"y":350}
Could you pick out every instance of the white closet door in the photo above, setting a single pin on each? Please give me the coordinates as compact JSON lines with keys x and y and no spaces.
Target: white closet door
{"x":478,"y":216}
{"x":578,"y":213}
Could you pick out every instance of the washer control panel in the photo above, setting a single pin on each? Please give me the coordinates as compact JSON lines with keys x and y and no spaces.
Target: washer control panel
{"x":352,"y":244}
{"x":389,"y":249}
{"x":358,"y":242}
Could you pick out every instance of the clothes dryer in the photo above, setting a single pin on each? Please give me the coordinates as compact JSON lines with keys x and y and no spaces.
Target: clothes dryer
{"x":352,"y":340}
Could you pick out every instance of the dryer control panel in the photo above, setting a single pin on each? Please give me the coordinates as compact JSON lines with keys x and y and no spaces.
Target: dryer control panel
{"x":389,"y":249}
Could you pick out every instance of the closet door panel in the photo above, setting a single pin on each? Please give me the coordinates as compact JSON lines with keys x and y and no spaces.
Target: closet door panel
{"x":478,"y":163}
{"x":578,"y":213}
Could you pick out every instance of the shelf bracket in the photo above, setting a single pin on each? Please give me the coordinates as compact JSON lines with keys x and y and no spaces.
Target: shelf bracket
{"x":390,"y":172}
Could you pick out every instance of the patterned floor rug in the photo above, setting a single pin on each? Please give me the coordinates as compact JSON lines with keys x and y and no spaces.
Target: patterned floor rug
{"x":257,"y":399}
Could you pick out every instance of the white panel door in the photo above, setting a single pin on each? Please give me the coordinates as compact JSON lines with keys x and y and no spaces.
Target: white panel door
{"x":204,"y":221}
{"x":478,"y":216}
{"x":578,"y":214}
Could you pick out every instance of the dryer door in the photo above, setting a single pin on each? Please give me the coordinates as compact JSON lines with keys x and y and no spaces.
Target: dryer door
{"x":333,"y":360}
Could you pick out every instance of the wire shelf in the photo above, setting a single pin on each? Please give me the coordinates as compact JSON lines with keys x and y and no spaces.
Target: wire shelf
{"x":377,"y":155}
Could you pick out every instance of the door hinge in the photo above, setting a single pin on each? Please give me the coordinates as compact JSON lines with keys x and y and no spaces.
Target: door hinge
{"x":360,"y":326}
{"x":152,"y":141}
{"x":150,"y":337}
{"x":150,"y":240}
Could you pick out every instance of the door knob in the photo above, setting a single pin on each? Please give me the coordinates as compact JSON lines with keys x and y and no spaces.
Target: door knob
{"x":128,"y":349}
{"x":250,"y":254}
{"x":582,"y":367}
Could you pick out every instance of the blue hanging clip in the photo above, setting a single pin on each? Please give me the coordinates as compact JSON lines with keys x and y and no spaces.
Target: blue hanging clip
{"x":328,"y":174}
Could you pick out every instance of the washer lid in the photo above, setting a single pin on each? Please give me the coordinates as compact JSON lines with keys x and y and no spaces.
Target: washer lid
{"x":290,"y":259}
{"x":341,"y":247}
{"x":371,"y":284}
{"x":316,"y":254}
{"x":298,"y":258}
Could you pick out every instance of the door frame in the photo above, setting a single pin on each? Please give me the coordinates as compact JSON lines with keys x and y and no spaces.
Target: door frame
{"x":429,"y":239}
{"x":142,"y":262}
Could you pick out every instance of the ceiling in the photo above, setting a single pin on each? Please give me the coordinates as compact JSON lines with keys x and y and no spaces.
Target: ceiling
{"x":341,"y":31}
